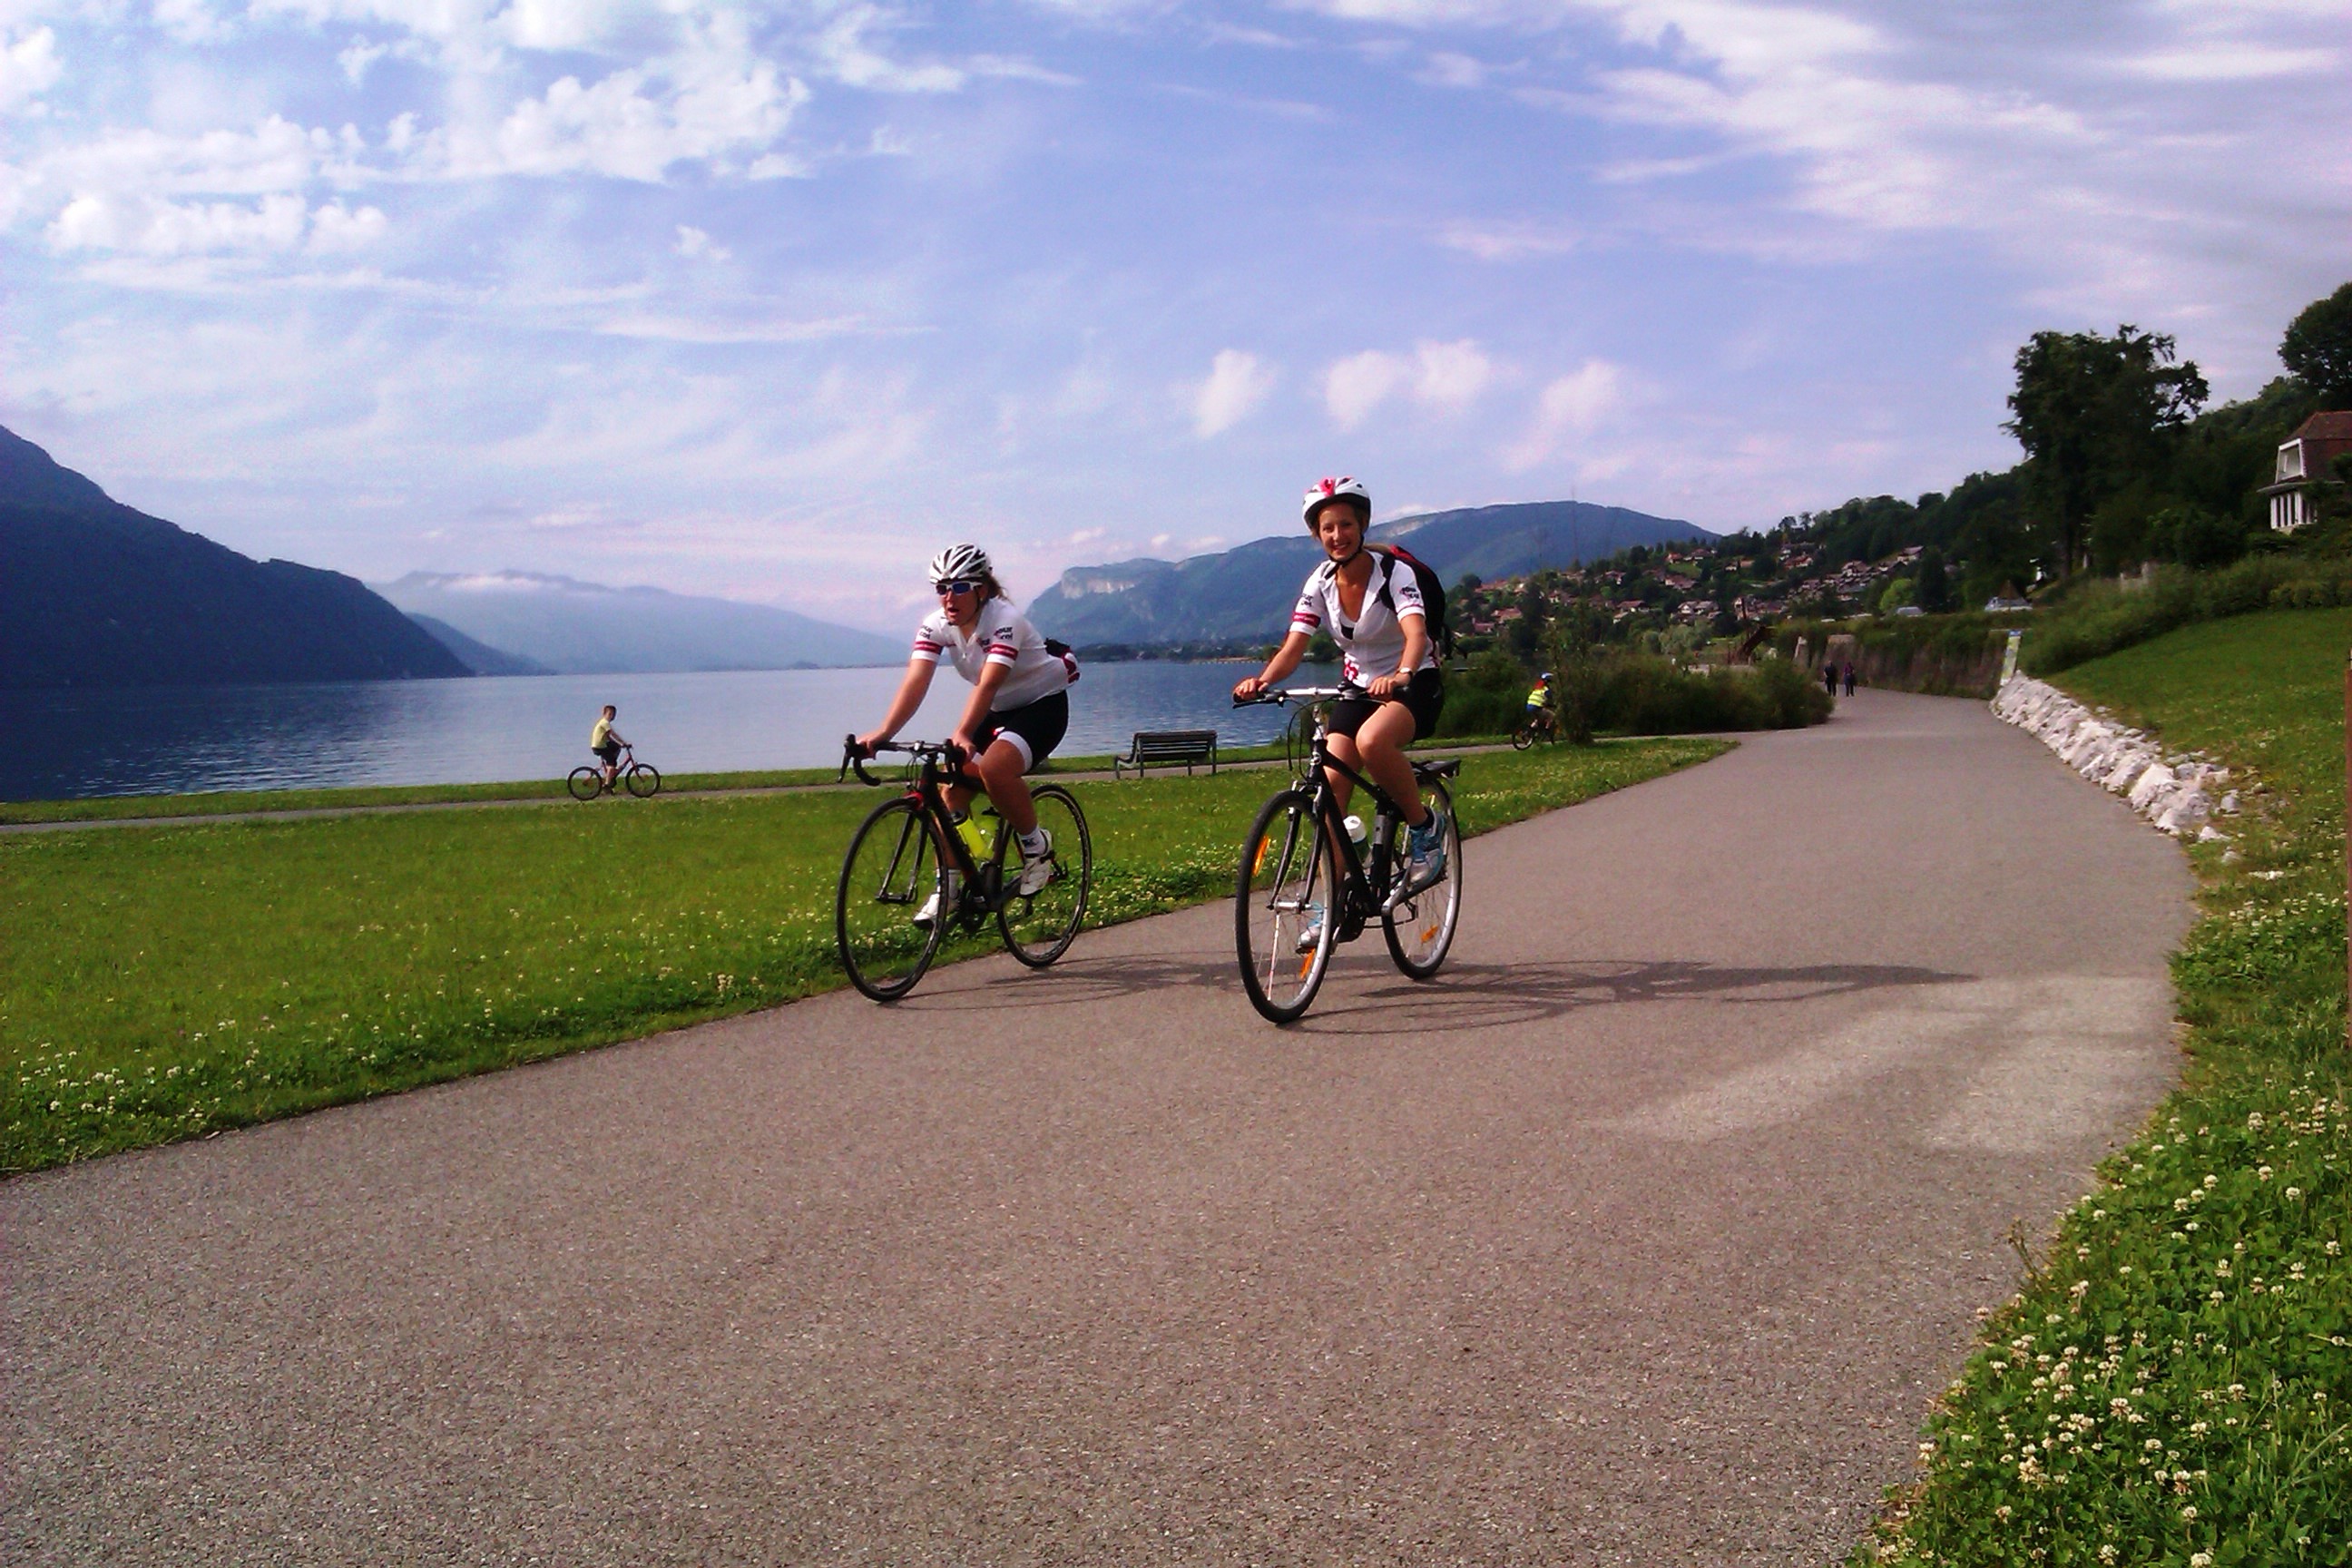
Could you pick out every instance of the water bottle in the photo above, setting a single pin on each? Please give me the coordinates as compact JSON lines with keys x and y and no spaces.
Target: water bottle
{"x":975,"y":838}
{"x":1355,"y":826}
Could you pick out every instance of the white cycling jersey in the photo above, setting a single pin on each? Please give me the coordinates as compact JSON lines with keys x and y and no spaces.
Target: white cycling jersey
{"x":1373,"y":645}
{"x":1000,"y":636}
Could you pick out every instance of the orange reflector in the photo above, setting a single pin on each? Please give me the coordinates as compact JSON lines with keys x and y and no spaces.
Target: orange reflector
{"x":1428,"y":933}
{"x":1305,"y":964}
{"x":1259,"y":864}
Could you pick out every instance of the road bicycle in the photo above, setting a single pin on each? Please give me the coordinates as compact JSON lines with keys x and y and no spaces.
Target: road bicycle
{"x":911,"y":850}
{"x":1303,"y":886}
{"x":640,"y":779}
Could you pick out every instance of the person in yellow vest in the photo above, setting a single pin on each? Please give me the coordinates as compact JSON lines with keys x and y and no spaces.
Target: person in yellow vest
{"x":1539,"y":703}
{"x":606,"y":742}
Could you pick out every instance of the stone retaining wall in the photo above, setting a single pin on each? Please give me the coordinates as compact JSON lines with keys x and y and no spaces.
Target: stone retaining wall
{"x":2179,"y":793}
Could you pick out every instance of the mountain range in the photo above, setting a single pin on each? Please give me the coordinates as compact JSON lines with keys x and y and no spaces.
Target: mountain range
{"x":94,"y":592}
{"x":1244,"y":593}
{"x":560,"y":624}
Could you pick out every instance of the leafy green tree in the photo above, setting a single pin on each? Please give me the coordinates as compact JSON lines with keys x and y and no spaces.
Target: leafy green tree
{"x":2094,"y":414}
{"x":2318,"y":348}
{"x":1933,"y":593}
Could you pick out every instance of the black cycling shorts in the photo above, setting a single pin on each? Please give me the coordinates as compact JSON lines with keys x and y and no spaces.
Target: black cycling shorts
{"x":1035,"y":727}
{"x":609,"y":750}
{"x":1422,"y":697}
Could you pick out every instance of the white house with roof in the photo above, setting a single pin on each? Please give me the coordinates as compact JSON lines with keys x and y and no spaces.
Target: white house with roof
{"x":2306,"y":459}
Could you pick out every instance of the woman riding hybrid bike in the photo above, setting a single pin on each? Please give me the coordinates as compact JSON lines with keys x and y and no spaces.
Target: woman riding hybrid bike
{"x":1019,"y":709}
{"x":1301,"y":889}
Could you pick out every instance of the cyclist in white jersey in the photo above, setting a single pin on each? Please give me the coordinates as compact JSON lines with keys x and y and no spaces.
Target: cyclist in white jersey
{"x":1019,"y":705}
{"x":1371,"y":605}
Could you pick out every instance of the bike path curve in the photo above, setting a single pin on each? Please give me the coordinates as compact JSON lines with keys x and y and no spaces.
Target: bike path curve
{"x":1644,"y":1234}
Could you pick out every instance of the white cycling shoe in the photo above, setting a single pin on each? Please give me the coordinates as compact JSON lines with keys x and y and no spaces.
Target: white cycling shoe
{"x":928,"y":915}
{"x":1037,"y":870}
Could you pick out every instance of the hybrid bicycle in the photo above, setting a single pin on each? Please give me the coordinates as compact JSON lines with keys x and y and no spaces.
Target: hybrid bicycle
{"x":910,"y":851}
{"x":1304,"y":886}
{"x":640,"y":779}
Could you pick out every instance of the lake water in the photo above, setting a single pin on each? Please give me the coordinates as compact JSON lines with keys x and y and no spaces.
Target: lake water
{"x":67,"y":744}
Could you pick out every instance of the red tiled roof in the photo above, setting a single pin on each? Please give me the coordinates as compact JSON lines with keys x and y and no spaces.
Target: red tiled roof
{"x":2325,"y":427}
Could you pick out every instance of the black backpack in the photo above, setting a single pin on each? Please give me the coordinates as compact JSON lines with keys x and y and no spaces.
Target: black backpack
{"x":1432,"y":594}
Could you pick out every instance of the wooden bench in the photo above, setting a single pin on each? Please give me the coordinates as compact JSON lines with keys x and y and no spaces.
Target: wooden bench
{"x":1166,"y":748}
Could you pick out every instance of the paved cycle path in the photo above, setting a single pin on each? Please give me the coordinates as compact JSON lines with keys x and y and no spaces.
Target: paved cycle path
{"x":1643,"y":1236}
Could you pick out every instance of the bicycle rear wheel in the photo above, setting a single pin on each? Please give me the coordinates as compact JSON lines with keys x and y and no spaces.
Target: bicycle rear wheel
{"x":644,"y":780}
{"x":1420,"y":928}
{"x":1285,"y":908}
{"x":893,"y":865}
{"x":1039,"y":929}
{"x":585,"y":784}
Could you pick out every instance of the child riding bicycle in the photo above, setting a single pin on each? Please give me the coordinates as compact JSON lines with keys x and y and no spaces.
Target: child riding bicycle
{"x":606,"y":742}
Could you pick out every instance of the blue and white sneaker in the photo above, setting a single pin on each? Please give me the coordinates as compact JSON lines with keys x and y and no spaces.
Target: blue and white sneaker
{"x":1313,"y":934}
{"x":1425,"y":850}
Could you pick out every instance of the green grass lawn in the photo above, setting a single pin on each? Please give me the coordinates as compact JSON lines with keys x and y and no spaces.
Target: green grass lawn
{"x":161,"y":982}
{"x":2172,"y":1385}
{"x":227,"y":802}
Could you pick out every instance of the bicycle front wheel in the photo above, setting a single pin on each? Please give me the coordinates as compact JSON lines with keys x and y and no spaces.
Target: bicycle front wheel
{"x":1285,"y":908}
{"x":644,"y":780}
{"x":892,"y":868}
{"x":1038,"y":928}
{"x":1419,"y":927}
{"x":585,"y":784}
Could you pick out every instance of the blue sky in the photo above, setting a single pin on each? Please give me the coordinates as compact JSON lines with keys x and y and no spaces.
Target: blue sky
{"x":769,"y":300}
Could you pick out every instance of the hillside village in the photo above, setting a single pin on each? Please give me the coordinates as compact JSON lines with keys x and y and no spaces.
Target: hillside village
{"x":1715,"y":589}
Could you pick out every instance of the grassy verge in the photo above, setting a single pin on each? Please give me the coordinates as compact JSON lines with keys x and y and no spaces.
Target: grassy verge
{"x":158,"y":983}
{"x":2172,"y":1385}
{"x":237,"y":802}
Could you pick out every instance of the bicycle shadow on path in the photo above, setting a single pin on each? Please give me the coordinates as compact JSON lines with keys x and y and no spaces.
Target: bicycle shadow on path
{"x":1465,"y":998}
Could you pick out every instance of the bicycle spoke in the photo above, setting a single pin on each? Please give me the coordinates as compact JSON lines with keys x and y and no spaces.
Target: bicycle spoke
{"x":1283,"y":897}
{"x":1039,"y":927}
{"x":891,"y":869}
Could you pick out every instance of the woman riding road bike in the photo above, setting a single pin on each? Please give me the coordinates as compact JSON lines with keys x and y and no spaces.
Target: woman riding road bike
{"x":1019,"y":705}
{"x":1370,"y":603}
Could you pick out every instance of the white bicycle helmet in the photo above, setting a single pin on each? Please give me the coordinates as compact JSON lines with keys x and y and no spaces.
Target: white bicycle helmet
{"x":959,"y":563}
{"x":1341,"y":489}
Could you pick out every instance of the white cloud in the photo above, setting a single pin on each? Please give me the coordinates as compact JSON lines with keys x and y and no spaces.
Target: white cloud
{"x":28,"y":68}
{"x":619,"y":129}
{"x":357,"y":57}
{"x":2234,"y":62}
{"x":850,"y":59}
{"x":693,"y":243}
{"x":1571,"y":405}
{"x":336,"y":230}
{"x":1238,"y":382}
{"x":155,"y":228}
{"x":1451,"y":376}
{"x":1446,"y":377}
{"x":1354,"y":386}
{"x":1446,"y":68}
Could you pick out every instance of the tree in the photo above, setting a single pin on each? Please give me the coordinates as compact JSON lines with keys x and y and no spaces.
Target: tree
{"x":2318,"y":348}
{"x":1935,"y":591}
{"x":2094,"y":414}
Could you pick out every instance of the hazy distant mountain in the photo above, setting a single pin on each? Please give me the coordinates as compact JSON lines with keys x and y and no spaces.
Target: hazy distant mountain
{"x":586,"y":628}
{"x":1245,"y":594}
{"x":93,"y":593}
{"x":479,"y":657}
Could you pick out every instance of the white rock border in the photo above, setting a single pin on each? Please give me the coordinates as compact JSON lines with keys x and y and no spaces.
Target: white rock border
{"x":2176,"y":793}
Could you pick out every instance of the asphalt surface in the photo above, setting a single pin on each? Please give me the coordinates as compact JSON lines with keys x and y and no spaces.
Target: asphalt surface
{"x":1644,"y":1234}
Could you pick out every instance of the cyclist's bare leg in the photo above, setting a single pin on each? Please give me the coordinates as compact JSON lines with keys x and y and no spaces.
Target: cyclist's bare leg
{"x":1381,"y":741}
{"x":1001,"y":768}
